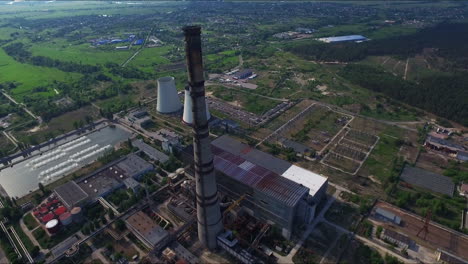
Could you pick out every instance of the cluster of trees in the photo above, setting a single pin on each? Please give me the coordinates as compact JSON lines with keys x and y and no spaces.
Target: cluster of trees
{"x":8,"y":249}
{"x":458,"y":175}
{"x":19,"y":53}
{"x":448,"y":38}
{"x":8,"y":108}
{"x":441,"y":94}
{"x":128,"y":72}
{"x":10,"y":210}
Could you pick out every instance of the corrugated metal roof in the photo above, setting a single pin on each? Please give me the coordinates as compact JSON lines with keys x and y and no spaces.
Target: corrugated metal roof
{"x":253,"y":155}
{"x":258,"y":177}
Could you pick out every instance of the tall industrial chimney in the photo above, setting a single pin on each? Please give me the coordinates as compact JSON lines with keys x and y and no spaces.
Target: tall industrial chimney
{"x":188,"y":114}
{"x":208,"y":212}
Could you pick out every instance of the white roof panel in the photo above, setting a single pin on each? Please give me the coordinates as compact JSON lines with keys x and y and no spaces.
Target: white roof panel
{"x":311,"y":180}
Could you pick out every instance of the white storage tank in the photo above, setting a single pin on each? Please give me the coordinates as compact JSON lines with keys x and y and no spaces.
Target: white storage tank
{"x":168,"y":100}
{"x":52,"y":226}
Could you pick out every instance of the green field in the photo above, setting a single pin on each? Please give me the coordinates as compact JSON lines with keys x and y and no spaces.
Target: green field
{"x":28,"y":77}
{"x":83,"y":53}
{"x":149,"y":58}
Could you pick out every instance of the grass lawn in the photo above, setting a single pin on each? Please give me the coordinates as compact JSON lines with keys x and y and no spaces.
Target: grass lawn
{"x":28,"y":76}
{"x":30,"y":222}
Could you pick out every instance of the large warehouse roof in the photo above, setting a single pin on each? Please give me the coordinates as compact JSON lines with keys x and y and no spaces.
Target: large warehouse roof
{"x":71,"y":194}
{"x":311,"y":180}
{"x":255,"y":156}
{"x":258,"y":177}
{"x":134,"y":165}
{"x":344,"y":38}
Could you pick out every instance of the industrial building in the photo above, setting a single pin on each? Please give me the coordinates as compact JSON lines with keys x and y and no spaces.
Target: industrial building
{"x":71,"y":194}
{"x":146,"y":229}
{"x":397,"y":238}
{"x":445,"y":257}
{"x":102,"y":182}
{"x":153,"y":153}
{"x":354,"y":38}
{"x":244,"y":74}
{"x":428,"y":180}
{"x":387,"y":216}
{"x":275,"y":190}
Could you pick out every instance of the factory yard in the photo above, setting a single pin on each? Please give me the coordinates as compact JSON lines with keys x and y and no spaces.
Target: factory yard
{"x":438,"y":237}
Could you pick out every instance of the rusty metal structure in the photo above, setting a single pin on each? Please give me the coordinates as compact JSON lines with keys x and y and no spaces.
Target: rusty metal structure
{"x":208,"y":211}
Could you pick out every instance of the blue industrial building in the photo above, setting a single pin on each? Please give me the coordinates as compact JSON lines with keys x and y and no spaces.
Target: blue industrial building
{"x":139,"y":42}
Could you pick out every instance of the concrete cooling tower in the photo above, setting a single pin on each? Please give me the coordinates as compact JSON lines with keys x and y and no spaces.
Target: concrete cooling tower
{"x":168,"y":100}
{"x":188,"y":114}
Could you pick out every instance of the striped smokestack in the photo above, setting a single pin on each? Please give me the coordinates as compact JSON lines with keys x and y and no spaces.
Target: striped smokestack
{"x":208,"y":212}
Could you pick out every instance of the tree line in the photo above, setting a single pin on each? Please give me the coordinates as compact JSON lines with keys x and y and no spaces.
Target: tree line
{"x":443,"y":94}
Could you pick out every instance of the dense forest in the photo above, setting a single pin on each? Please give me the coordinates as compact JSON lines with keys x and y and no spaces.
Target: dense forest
{"x":443,"y":94}
{"x":449,"y":40}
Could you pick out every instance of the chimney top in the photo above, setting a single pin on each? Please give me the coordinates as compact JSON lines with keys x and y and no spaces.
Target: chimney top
{"x":192,"y":30}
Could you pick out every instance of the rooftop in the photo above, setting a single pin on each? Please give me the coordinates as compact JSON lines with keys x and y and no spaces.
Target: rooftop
{"x":343,"y":38}
{"x":251,"y":154}
{"x":101,"y":183}
{"x":311,"y":180}
{"x":70,"y":194}
{"x":389,"y":215}
{"x":134,"y":165}
{"x":262,"y":179}
{"x":150,"y":151}
{"x":428,"y":180}
{"x":446,"y":143}
{"x":147,"y":228}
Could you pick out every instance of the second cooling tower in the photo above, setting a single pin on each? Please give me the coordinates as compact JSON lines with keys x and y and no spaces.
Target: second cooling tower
{"x":188,"y":114}
{"x":168,"y":100}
